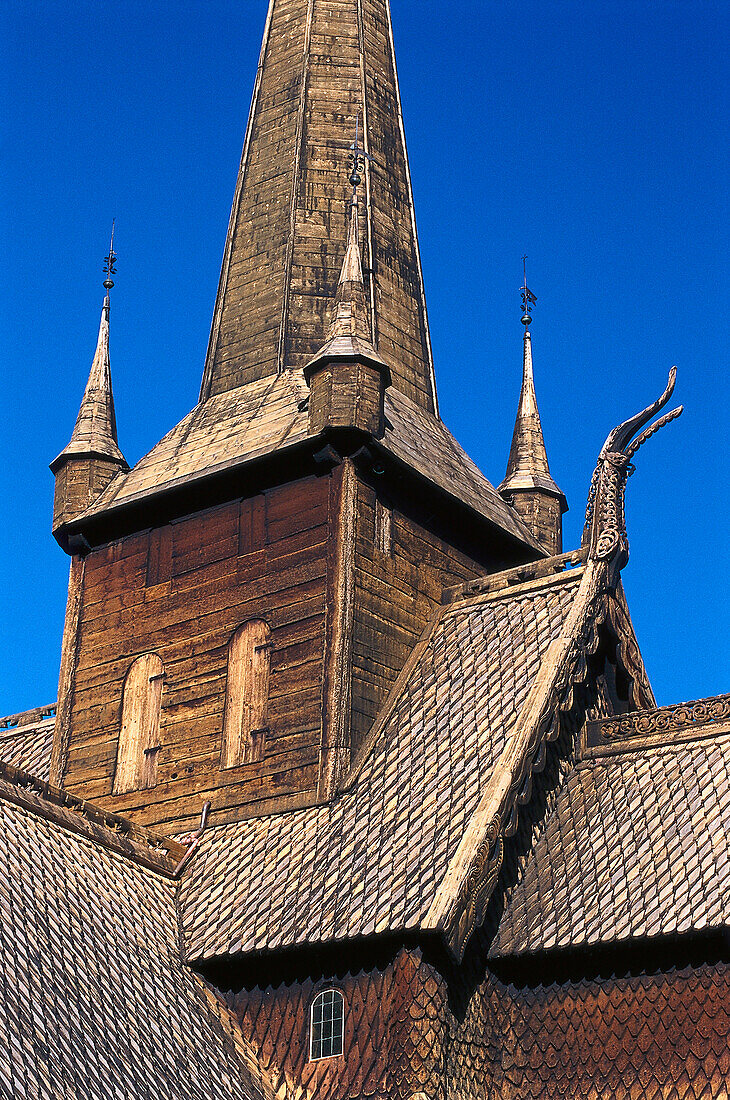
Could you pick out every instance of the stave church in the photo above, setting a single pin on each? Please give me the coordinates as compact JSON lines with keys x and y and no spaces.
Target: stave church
{"x":355,"y":786}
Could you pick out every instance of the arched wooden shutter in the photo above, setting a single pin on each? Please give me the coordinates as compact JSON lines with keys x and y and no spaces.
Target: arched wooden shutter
{"x":247,"y":694}
{"x":139,"y":736}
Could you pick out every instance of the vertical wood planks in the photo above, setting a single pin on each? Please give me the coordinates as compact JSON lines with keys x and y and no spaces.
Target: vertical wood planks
{"x":247,"y":694}
{"x":139,"y":745}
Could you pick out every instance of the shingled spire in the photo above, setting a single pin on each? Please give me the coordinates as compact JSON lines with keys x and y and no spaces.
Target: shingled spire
{"x":528,"y":485}
{"x":281,"y":263}
{"x":92,"y":457}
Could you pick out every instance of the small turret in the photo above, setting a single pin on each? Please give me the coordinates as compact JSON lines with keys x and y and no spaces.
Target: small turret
{"x":92,"y":457}
{"x":528,"y":485}
{"x":347,"y":377}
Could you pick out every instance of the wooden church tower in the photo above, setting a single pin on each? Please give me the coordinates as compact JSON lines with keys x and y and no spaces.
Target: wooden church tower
{"x":242,"y":599}
{"x":418,"y":829}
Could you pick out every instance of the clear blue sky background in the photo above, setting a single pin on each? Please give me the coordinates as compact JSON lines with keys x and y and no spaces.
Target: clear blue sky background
{"x":591,"y":135}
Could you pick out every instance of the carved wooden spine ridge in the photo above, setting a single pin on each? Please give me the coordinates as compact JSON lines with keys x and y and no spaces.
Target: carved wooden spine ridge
{"x":461,"y":901}
{"x":604,"y":532}
{"x":679,"y":718}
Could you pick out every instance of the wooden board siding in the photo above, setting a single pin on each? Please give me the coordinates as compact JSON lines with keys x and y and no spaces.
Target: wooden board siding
{"x":401,"y":567}
{"x":181,"y":592}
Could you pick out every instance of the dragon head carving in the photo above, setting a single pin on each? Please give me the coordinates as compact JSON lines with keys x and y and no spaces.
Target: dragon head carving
{"x":604,"y":533}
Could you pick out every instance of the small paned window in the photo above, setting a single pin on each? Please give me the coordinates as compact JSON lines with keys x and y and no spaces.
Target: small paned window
{"x":328,"y":1024}
{"x":139,"y":735}
{"x":247,"y":694}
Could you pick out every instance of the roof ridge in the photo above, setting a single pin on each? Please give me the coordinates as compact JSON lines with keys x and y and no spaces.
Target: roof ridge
{"x":657,"y":727}
{"x":158,"y":852}
{"x":515,"y":579}
{"x":11,"y":723}
{"x":462,"y":897}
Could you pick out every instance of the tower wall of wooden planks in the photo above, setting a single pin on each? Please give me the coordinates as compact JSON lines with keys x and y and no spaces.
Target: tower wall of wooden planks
{"x":345,"y":604}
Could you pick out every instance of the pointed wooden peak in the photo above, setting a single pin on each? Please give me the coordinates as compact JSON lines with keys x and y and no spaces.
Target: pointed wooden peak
{"x":349,"y":335}
{"x":322,"y":66}
{"x":527,"y":467}
{"x":95,"y":431}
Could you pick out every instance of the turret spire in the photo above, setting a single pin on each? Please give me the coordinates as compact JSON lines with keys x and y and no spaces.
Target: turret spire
{"x":349,"y":329}
{"x":528,"y":484}
{"x":347,"y":376}
{"x":92,"y":456}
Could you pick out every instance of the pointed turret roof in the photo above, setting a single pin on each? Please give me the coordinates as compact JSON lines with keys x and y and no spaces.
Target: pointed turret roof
{"x":95,"y":431}
{"x":349,"y":334}
{"x":527,"y":467}
{"x":322,"y":65}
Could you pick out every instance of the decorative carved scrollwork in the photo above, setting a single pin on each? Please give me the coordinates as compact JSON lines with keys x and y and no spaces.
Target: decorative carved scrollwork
{"x":681,"y":718}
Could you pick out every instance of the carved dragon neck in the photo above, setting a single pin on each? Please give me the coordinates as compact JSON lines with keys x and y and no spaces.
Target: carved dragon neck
{"x":604,"y":533}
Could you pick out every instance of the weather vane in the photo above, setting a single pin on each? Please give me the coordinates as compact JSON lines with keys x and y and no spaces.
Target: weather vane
{"x":356,"y":159}
{"x":109,"y":262}
{"x":528,"y":298}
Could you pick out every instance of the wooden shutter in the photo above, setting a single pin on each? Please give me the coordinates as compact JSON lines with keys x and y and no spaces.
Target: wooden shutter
{"x":139,"y":736}
{"x":383,"y":528}
{"x":247,"y":694}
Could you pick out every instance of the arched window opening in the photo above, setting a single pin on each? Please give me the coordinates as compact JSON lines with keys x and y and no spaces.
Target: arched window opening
{"x":247,"y":694}
{"x":139,"y":736}
{"x":328,"y":1025}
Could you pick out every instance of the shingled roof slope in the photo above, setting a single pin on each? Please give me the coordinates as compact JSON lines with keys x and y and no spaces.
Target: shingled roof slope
{"x":371,"y":861}
{"x":28,"y":746}
{"x":638,"y":845}
{"x":96,"y":1002}
{"x":241,"y":425}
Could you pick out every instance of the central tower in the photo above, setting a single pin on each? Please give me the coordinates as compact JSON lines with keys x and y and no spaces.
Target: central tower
{"x":245,"y":596}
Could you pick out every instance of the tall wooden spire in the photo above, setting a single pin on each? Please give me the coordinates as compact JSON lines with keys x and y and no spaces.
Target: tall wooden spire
{"x":322,"y":65}
{"x":528,"y":484}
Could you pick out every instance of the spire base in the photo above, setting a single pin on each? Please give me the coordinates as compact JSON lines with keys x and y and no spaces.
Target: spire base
{"x":347,"y":389}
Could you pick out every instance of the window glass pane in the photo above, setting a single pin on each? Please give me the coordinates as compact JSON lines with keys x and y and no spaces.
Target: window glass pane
{"x":327,"y":1025}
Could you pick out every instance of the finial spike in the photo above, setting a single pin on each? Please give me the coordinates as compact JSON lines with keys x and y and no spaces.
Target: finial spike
{"x":528,"y":298}
{"x":109,"y":263}
{"x":357,"y":158}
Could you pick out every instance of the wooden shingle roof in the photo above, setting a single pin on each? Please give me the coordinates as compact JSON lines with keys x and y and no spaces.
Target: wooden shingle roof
{"x":637,"y":845}
{"x":26,"y":741}
{"x":372,"y":860}
{"x":96,"y":1000}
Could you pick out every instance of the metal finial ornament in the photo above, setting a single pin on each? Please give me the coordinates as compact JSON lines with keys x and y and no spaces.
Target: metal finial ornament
{"x":109,"y":262}
{"x":356,"y":159}
{"x":528,"y":298}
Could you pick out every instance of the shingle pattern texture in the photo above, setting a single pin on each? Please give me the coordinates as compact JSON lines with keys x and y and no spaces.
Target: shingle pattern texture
{"x":645,"y":1036}
{"x":270,"y":415}
{"x":394,"y":1030}
{"x":371,"y":861}
{"x":638,"y":845}
{"x":29,"y":748}
{"x":96,"y":1003}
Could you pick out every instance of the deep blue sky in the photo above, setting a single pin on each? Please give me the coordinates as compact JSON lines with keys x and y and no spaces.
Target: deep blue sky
{"x":591,"y":135}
